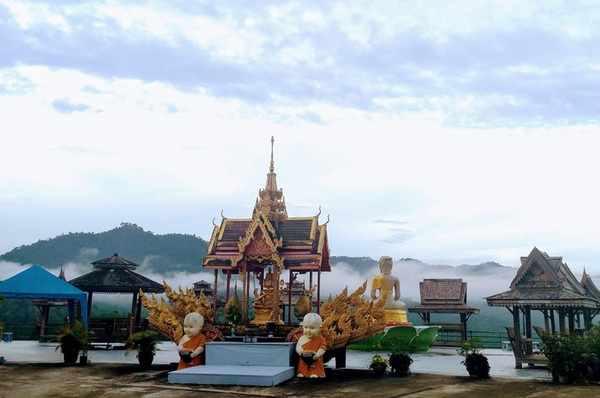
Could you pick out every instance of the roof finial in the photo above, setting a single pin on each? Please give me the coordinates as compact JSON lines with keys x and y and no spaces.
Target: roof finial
{"x":272,"y":167}
{"x":270,"y":201}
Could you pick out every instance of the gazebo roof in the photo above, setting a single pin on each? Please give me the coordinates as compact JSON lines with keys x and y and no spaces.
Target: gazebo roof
{"x":114,"y":261}
{"x":37,"y":283}
{"x":444,"y":296}
{"x":546,"y":282}
{"x":115,"y":275}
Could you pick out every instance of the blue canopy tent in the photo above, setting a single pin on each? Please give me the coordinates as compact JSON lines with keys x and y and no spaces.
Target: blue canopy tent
{"x":37,"y":283}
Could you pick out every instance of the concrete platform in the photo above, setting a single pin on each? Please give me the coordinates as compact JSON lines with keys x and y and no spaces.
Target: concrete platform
{"x":249,"y":354}
{"x":264,"y":376}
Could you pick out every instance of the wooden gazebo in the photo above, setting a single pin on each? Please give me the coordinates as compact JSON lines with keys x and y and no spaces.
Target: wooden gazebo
{"x":206,"y":288}
{"x":44,"y":306}
{"x":116,"y":275}
{"x":445,"y":296}
{"x":546,"y":284}
{"x":262,"y":248}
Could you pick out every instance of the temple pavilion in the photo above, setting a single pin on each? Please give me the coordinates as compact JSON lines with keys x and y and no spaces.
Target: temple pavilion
{"x":116,"y":275}
{"x":546,"y":284}
{"x":266,"y":249}
{"x":445,"y":296}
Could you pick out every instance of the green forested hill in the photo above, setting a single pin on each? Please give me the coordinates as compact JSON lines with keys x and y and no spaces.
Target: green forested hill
{"x":163,"y":254}
{"x":159,"y":253}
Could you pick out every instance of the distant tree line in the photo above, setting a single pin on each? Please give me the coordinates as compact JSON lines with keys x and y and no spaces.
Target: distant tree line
{"x":160,"y":253}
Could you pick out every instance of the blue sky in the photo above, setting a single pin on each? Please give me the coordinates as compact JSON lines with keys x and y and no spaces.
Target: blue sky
{"x":452,"y":132}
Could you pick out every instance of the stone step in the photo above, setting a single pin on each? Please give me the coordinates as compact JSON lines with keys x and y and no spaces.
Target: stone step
{"x":232,"y":375}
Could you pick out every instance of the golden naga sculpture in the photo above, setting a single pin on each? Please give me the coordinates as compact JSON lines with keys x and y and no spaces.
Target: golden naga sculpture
{"x":167,"y":317}
{"x":267,"y":300}
{"x":348,"y":319}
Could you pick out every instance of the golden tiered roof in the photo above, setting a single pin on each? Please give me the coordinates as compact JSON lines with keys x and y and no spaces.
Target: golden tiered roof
{"x":299,"y":243}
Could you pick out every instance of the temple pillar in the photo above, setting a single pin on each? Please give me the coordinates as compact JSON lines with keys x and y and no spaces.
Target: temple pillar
{"x":310,"y":285}
{"x":587,"y":318}
{"x":215,"y":293}
{"x":89,"y":304}
{"x":517,"y":331}
{"x":289,"y":314}
{"x":245,"y":294}
{"x":318,"y":290}
{"x":45,"y":310}
{"x":463,"y":321}
{"x":228,"y":285}
{"x":134,"y":314}
{"x":527,"y":310}
{"x":138,"y":312}
{"x":571,"y":319}
{"x":561,"y":321}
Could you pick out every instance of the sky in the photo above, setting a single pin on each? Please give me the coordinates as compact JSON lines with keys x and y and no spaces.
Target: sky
{"x":450,"y":132}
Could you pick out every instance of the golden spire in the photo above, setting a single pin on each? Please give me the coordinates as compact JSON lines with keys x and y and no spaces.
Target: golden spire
{"x":270,"y":200}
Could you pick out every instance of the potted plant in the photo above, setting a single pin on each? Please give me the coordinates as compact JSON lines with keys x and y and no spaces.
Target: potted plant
{"x":378,"y":364}
{"x":145,"y":344}
{"x":232,"y":313}
{"x":564,"y":352}
{"x":400,"y":359}
{"x":400,"y":363}
{"x":476,"y":363}
{"x":72,"y":340}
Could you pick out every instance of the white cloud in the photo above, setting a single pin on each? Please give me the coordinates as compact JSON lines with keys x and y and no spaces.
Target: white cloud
{"x":475,"y":124}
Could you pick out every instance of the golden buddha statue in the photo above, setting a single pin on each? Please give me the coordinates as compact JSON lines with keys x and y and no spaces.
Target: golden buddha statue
{"x":388,"y":287}
{"x":266,"y":300}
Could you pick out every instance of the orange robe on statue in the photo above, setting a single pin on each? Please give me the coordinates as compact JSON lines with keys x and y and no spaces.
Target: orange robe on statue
{"x":198,"y":340}
{"x":317,"y":367}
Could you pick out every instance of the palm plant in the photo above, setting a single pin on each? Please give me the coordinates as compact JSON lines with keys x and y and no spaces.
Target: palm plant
{"x":72,"y":339}
{"x":476,"y":363}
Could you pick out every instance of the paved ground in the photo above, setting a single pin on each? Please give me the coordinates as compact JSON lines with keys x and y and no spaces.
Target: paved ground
{"x":100,"y":380}
{"x":36,"y":370}
{"x":438,"y":360}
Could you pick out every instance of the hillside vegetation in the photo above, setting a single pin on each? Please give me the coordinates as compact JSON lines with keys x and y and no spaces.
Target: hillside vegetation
{"x":163,"y":254}
{"x":159,"y":253}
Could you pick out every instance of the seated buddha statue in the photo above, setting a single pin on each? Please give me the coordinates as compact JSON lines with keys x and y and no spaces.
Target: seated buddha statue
{"x":264,"y":301}
{"x":387,"y":287}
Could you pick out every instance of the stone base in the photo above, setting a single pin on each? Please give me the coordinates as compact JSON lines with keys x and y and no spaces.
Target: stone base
{"x":232,"y":375}
{"x":249,"y":354}
{"x":395,"y":316}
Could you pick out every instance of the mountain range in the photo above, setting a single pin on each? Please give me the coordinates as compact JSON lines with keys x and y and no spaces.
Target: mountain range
{"x":173,"y":253}
{"x":179,"y":257}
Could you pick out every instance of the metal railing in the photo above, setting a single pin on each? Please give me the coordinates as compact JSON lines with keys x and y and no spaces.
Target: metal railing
{"x":495,"y":339}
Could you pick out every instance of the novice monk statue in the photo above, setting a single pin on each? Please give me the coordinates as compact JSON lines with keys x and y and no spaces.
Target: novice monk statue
{"x":311,"y":347}
{"x":191,"y":345}
{"x":389,"y":287}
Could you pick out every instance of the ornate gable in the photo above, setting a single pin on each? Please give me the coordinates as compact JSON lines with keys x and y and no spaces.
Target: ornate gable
{"x":260,"y":237}
{"x":589,"y":286}
{"x":536,"y":271}
{"x":542,"y":282}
